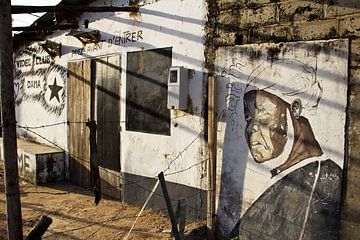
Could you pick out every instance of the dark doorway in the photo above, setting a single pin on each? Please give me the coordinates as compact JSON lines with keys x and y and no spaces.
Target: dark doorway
{"x":94,"y":94}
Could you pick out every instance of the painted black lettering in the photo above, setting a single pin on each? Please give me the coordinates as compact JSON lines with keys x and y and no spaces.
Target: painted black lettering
{"x":139,"y":35}
{"x":26,"y":163}
{"x":20,"y":161}
{"x":27,"y":62}
{"x":33,"y":84}
{"x":128,"y":34}
{"x":117,"y":40}
{"x":47,"y":59}
{"x":37,"y":60}
{"x":123,"y":40}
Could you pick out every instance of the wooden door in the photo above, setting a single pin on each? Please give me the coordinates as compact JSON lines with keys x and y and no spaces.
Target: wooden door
{"x":108,"y":81}
{"x":78,"y":113}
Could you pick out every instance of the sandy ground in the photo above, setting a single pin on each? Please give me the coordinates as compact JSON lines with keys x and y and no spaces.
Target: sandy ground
{"x":75,"y":215}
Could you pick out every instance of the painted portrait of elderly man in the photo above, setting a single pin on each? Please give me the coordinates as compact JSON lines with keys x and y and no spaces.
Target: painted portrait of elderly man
{"x":267,"y":128}
{"x":280,"y":102}
{"x":270,"y":119}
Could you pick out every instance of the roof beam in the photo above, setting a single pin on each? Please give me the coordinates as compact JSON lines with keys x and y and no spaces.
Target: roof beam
{"x":46,"y":27}
{"x":52,"y":48}
{"x":68,"y":8}
{"x":19,"y":39}
{"x":86,"y":37}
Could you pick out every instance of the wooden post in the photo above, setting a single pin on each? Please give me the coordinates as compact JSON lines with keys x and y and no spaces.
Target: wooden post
{"x":169,"y":207}
{"x":40,"y":228}
{"x":211,"y":170}
{"x":13,"y":205}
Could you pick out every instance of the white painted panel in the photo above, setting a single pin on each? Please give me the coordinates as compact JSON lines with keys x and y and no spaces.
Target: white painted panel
{"x":311,"y":73}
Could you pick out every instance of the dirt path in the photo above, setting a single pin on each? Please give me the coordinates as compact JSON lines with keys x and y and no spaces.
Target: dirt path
{"x":75,"y":215}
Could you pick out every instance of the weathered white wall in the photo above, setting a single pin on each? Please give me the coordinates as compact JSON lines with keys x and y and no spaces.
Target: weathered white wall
{"x":167,"y":23}
{"x":35,"y":105}
{"x":241,"y":180}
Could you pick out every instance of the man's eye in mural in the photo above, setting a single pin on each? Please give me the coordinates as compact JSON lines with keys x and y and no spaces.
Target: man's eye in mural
{"x":267,"y":129}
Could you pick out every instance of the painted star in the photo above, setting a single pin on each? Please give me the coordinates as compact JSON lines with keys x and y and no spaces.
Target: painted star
{"x":55,"y":91}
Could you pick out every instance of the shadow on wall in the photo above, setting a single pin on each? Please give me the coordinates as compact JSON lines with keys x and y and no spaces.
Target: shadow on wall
{"x":150,"y":81}
{"x":234,"y":154}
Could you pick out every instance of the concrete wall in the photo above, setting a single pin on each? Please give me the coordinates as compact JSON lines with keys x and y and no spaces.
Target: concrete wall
{"x":38,"y":163}
{"x":160,"y":24}
{"x":248,"y":21}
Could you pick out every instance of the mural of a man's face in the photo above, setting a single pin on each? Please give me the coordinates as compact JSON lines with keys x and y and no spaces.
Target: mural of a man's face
{"x":266,"y":129}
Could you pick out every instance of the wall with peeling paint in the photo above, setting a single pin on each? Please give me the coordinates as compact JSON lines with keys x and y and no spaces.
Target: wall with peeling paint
{"x":251,"y":22}
{"x":174,"y":24}
{"x":40,"y":95}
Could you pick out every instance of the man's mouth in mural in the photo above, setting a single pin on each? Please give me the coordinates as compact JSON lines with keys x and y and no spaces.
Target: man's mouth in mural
{"x":258,"y":147}
{"x":257,"y":144}
{"x":260,"y":151}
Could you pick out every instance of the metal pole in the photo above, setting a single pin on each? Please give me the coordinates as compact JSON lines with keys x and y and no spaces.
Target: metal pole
{"x":211,"y":215}
{"x":13,"y":205}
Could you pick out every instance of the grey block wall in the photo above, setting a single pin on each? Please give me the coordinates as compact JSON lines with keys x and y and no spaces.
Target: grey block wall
{"x":237,"y":22}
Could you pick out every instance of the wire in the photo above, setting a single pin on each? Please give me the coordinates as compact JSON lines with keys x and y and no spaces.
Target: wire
{"x":291,"y":221}
{"x":56,"y":145}
{"x":123,"y":178}
{"x":28,"y":128}
{"x":142,"y":209}
{"x":127,"y":180}
{"x":42,"y":126}
{"x":180,"y":153}
{"x":49,"y":193}
{"x":65,"y":122}
{"x":112,"y":219}
{"x":186,"y":169}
